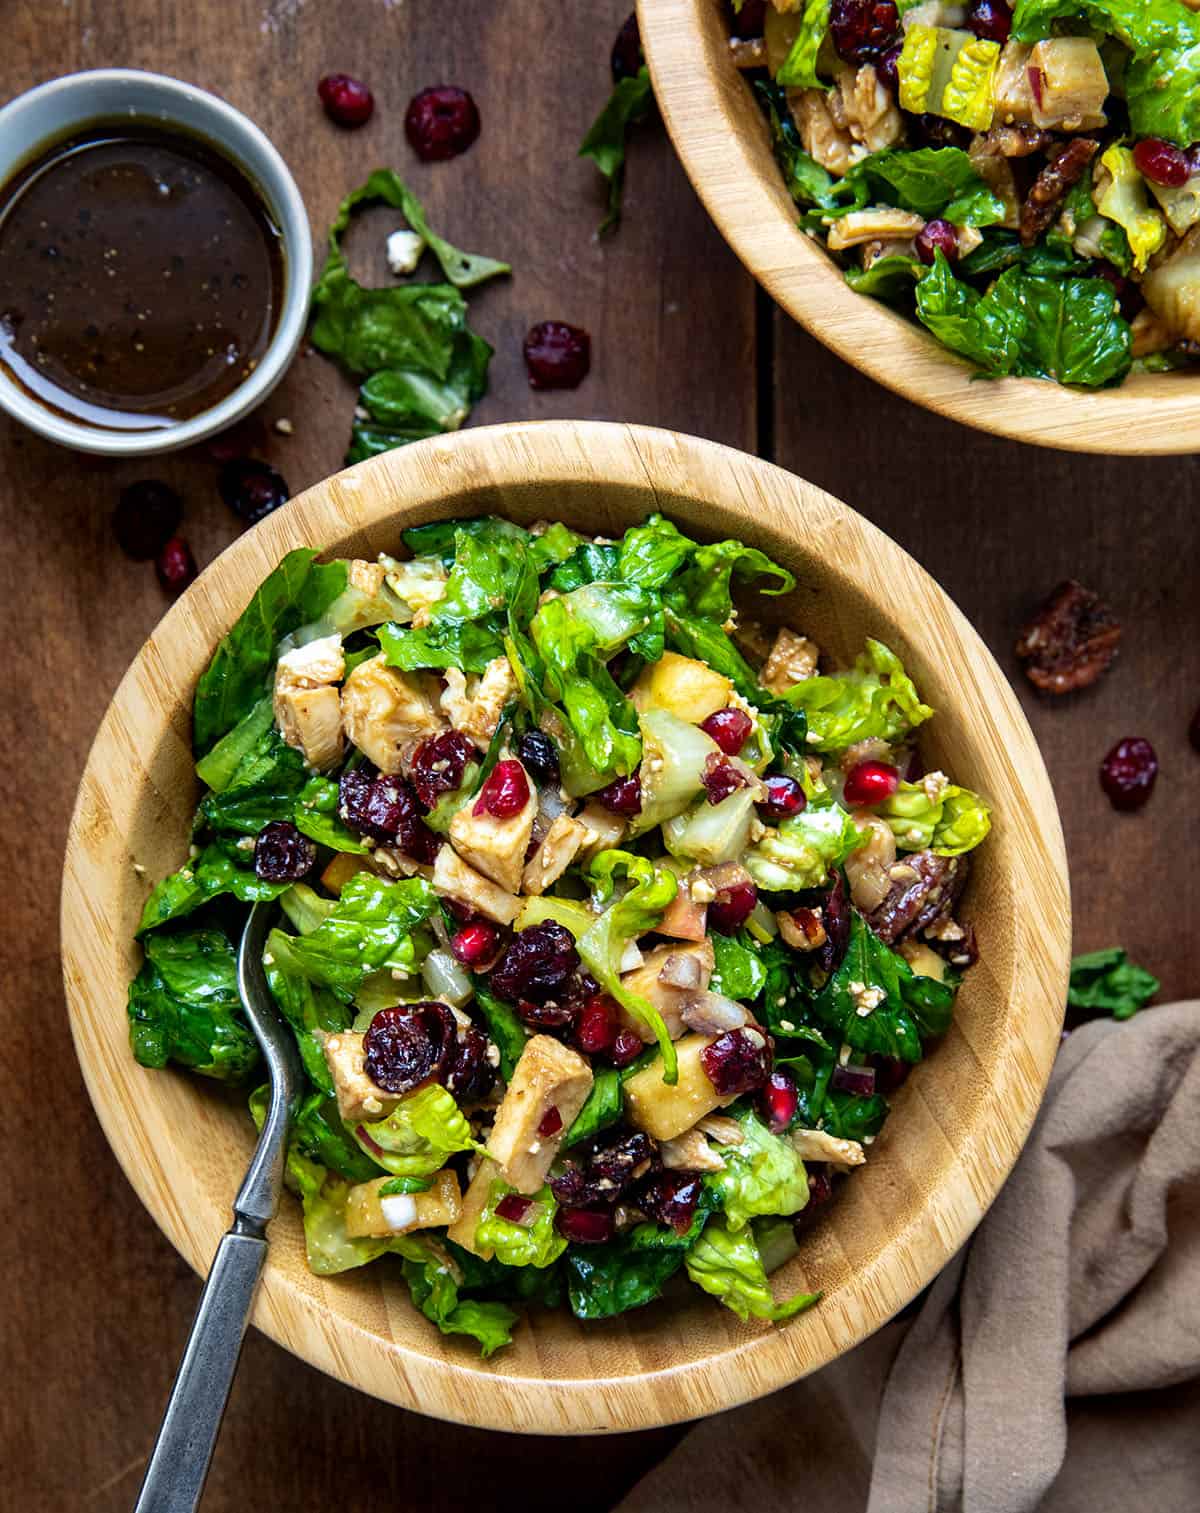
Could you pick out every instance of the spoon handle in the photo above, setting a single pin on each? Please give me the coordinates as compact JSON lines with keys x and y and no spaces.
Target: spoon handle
{"x":179,"y":1463}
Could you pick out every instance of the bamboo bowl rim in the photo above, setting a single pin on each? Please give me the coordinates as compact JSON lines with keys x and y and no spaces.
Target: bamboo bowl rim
{"x":964,"y":1114}
{"x":724,"y":145}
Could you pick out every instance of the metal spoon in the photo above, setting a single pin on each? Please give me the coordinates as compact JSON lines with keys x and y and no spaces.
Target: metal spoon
{"x":178,"y":1465}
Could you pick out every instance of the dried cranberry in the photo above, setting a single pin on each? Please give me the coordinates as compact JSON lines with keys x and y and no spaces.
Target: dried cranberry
{"x":938,"y":131}
{"x":557,"y":355}
{"x":414,"y":837}
{"x":990,"y":20}
{"x":438,"y":765}
{"x":251,"y":488}
{"x":282,"y":854}
{"x":730,"y":728}
{"x":505,"y":793}
{"x":554,"y":1014}
{"x":738,"y":1061}
{"x":147,"y":515}
{"x":731,"y":908}
{"x":585,"y":1226}
{"x":935,"y":237}
{"x":627,"y":50}
{"x":471,"y":1076}
{"x":750,"y":20}
{"x":626,"y":1048}
{"x":863,"y":29}
{"x":409,"y":1045}
{"x":347,"y":101}
{"x":835,"y":916}
{"x":539,"y":755}
{"x":1194,"y":730}
{"x":618,"y":1159}
{"x":671,"y":1198}
{"x":1070,"y":641}
{"x":386,"y":808}
{"x":175,"y":565}
{"x":1128,"y":772}
{"x":514,"y":1208}
{"x":1162,"y":163}
{"x":537,"y":964}
{"x":441,"y":122}
{"x":552,"y":1123}
{"x":870,"y":783}
{"x":888,"y":68}
{"x":785,"y":797}
{"x":721,"y":778}
{"x":570,"y":1186}
{"x":780,"y":1100}
{"x":623,"y":796}
{"x":475,"y":944}
{"x":597,"y":1026}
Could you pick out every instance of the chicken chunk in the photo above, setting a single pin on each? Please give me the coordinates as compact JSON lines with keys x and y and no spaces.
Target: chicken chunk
{"x":309,"y":666}
{"x":387,"y":712}
{"x":866,"y":108}
{"x":664,"y":1110}
{"x":670,"y":1000}
{"x":474,"y":1201}
{"x":604,"y":829}
{"x":1012,"y":93}
{"x":496,"y":847}
{"x":419,"y":584}
{"x":306,"y":705}
{"x":358,"y":1097}
{"x":371,"y":1213}
{"x":830,"y":144}
{"x":691,"y":1152}
{"x":548,"y":1076}
{"x":556,"y":853}
{"x":871,"y":225}
{"x":793,"y":658}
{"x":455,"y":879}
{"x":475,"y":708}
{"x":817,"y":1145}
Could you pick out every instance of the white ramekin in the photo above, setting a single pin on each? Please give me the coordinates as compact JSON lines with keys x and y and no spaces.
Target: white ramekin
{"x":42,"y":116}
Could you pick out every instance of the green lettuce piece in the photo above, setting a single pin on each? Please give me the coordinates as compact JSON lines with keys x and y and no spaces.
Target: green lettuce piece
{"x":729,"y":1267}
{"x":504,"y":1027}
{"x":849,"y":1116}
{"x":801,"y":851}
{"x":264,"y":788}
{"x":602,"y":1107}
{"x":298,"y":592}
{"x":535,"y":1244}
{"x":217,"y":769}
{"x":704,"y":586}
{"x":400,"y":405}
{"x":369,"y":929}
{"x":433,"y":1289}
{"x":799,"y":69}
{"x":469,"y":646}
{"x":637,"y":911}
{"x":652,"y":552}
{"x":438,"y":539}
{"x":184,"y":1007}
{"x":607,"y":139}
{"x":877,"y":698}
{"x":693,"y":636}
{"x":419,"y":1135}
{"x":219,"y":869}
{"x":491,"y":572}
{"x":305,"y":908}
{"x":932,"y":182}
{"x":315,"y":815}
{"x":965,"y":321}
{"x":957,"y":822}
{"x":890,"y":279}
{"x":318,"y":1134}
{"x":763,"y":1175}
{"x":606,"y":1280}
{"x":586,"y":564}
{"x":807,"y":182}
{"x":739,"y":972}
{"x":307,"y":1007}
{"x":1109,"y":980}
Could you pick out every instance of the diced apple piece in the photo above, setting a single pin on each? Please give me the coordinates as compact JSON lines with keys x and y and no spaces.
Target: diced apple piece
{"x":713,"y":833}
{"x":548,"y":1076}
{"x":924,"y":961}
{"x":605,"y":829}
{"x":372,"y":1213}
{"x":685,"y":919}
{"x":474,"y":1201}
{"x":1069,"y":84}
{"x":340,"y":870}
{"x":665,"y":1111}
{"x":646,"y":982}
{"x":496,"y":847}
{"x":688,"y":689}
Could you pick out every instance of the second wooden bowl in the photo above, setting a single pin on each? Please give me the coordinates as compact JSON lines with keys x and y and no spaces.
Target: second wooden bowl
{"x":722,"y":140}
{"x":958,"y":1122}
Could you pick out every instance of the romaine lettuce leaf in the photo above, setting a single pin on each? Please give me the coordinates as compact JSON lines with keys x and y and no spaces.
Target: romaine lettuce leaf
{"x":431,"y":1283}
{"x":586,"y":564}
{"x":217,"y":769}
{"x":504,"y":1028}
{"x":703,"y":587}
{"x":888,"y":278}
{"x":802,"y":851}
{"x":607,"y":139}
{"x":739,"y":972}
{"x":729,"y":1267}
{"x":965,"y":321}
{"x":219,"y":869}
{"x":693,"y":636}
{"x":535,"y":1244}
{"x":305,"y":1006}
{"x":799,"y":69}
{"x":955,"y":823}
{"x":807,"y":182}
{"x":932,"y":182}
{"x":605,"y":1280}
{"x":315,"y":815}
{"x":263,"y":789}
{"x":1109,"y":980}
{"x":184,"y":1007}
{"x":876,"y":698}
{"x":763,"y":1175}
{"x":469,"y":645}
{"x":417,"y":1137}
{"x":370,"y":928}
{"x":849,"y":1116}
{"x":603,"y":1106}
{"x":318,"y":1133}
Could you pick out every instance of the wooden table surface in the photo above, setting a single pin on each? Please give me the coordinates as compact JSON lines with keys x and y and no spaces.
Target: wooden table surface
{"x":97,"y":1304}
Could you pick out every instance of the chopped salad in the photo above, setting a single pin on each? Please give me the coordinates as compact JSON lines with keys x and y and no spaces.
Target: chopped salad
{"x":1022,"y":178}
{"x":608,"y":919}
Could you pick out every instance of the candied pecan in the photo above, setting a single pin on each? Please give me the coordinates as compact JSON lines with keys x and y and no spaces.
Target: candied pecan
{"x":925,"y":888}
{"x":1070,"y":641}
{"x":955,"y":941}
{"x":1064,"y":168}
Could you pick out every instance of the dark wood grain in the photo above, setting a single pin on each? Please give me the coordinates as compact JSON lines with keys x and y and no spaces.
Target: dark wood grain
{"x":97,"y":1304}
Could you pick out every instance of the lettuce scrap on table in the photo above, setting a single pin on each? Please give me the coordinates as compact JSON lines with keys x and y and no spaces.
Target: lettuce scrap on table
{"x":1023,"y":182}
{"x":608,"y":918}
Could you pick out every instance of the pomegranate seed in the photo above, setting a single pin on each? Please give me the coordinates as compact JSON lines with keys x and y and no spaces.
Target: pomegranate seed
{"x":1128,"y":772}
{"x":730,"y":728}
{"x":557,"y":355}
{"x":597,"y":1025}
{"x":738,"y":1061}
{"x":147,"y":516}
{"x":780,"y":1099}
{"x":505,"y":793}
{"x":551,"y":1123}
{"x":586,"y":1226}
{"x":626,"y":56}
{"x":252,"y":489}
{"x":514,"y":1208}
{"x":870,"y":783}
{"x":721,"y":778}
{"x":937,"y":236}
{"x":990,"y":20}
{"x":175,"y":565}
{"x":750,"y":20}
{"x":441,"y":122}
{"x":347,"y":101}
{"x":624,"y":796}
{"x":475,"y":944}
{"x":785,"y":797}
{"x":627,"y":1047}
{"x":1162,"y":163}
{"x":731,"y":908}
{"x":1194,"y":730}
{"x":863,"y":29}
{"x":888,"y":68}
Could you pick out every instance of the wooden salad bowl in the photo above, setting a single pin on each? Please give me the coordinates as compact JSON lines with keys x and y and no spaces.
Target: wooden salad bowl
{"x":958,"y":1123}
{"x":724,"y":143}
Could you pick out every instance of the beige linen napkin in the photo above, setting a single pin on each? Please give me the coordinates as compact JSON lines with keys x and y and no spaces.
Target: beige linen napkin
{"x":1053,"y":1366}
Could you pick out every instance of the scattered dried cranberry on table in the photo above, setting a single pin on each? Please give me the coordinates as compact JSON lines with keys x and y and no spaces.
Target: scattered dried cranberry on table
{"x":557,"y":355}
{"x":441,"y":123}
{"x":1128,"y":773}
{"x":251,"y":488}
{"x":175,"y":565}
